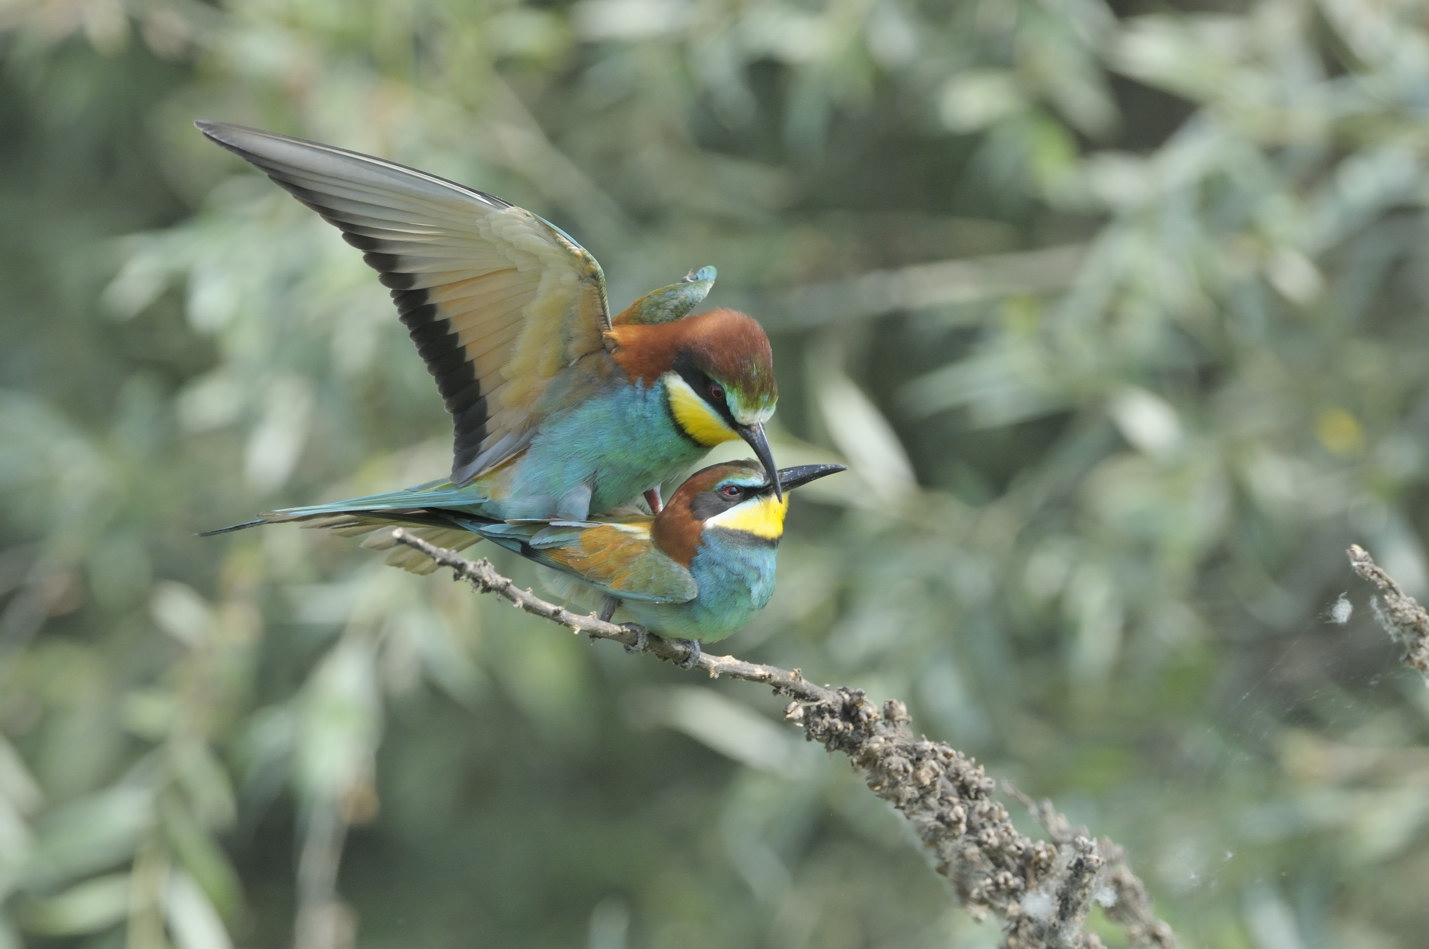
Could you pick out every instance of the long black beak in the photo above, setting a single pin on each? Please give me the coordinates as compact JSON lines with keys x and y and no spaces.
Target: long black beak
{"x":791,"y":478}
{"x":754,"y":434}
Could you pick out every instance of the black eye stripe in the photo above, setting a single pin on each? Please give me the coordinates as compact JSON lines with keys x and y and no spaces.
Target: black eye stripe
{"x":716,"y":501}
{"x":707,"y":505}
{"x":702,"y":383}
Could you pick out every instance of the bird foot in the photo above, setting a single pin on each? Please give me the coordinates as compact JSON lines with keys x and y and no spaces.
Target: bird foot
{"x":692,"y":657}
{"x":652,"y":498}
{"x":642,"y":638}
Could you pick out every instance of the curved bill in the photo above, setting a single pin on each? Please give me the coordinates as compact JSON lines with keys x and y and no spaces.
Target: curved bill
{"x":754,"y":435}
{"x":791,"y":478}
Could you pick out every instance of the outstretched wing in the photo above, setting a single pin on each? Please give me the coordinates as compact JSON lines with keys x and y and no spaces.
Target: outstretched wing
{"x":498,"y":301}
{"x":616,"y":557}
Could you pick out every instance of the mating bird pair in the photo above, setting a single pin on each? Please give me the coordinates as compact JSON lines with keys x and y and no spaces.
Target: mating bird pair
{"x":562,"y":413}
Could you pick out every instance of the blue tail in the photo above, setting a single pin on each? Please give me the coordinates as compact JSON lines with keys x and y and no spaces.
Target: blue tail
{"x":393,"y":507}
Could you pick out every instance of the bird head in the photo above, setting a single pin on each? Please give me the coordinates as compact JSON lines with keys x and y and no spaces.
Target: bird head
{"x":735,"y":497}
{"x":718,"y":372}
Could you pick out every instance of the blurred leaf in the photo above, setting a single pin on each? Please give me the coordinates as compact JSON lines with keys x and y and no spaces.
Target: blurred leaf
{"x":863,"y":436}
{"x":1148,"y":422}
{"x":202,"y":859}
{"x":193,"y":919}
{"x":89,"y":834}
{"x":976,"y":99}
{"x":340,"y":724}
{"x":281,"y":433}
{"x":17,"y":785}
{"x":83,"y":908}
{"x":727,"y":727}
{"x":181,"y":612}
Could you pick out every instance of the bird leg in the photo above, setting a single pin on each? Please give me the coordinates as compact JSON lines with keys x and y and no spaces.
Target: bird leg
{"x":652,"y":498}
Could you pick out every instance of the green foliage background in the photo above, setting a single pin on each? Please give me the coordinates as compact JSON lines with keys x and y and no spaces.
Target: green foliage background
{"x":1116,"y":313}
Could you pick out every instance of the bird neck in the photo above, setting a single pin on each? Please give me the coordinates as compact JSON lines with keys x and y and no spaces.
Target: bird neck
{"x":648,"y":351}
{"x":735,"y":579}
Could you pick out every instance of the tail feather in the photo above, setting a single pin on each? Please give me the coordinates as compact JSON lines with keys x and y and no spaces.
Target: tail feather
{"x":232,"y":527}
{"x":414,"y":561}
{"x":432,"y":525}
{"x":436,"y":494}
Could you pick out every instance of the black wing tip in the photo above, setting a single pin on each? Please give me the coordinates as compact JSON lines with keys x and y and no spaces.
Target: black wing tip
{"x":219,"y":131}
{"x":244,"y":141}
{"x":216,"y":130}
{"x":222,"y":135}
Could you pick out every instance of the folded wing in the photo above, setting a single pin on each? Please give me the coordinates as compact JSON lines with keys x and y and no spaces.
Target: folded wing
{"x":616,"y":557}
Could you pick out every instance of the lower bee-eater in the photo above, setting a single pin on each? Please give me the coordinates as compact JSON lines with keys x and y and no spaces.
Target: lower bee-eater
{"x":700,"y":569}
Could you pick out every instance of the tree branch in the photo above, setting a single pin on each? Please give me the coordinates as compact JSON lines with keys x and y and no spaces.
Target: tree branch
{"x":480,"y":574}
{"x":1041,"y":890}
{"x":1401,"y":616}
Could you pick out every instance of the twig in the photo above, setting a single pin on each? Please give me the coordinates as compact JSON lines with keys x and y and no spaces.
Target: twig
{"x":1401,"y":615}
{"x":1041,"y":890}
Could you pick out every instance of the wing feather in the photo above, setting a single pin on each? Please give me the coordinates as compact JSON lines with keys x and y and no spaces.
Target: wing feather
{"x":498,"y":301}
{"x":615,"y":557}
{"x":631,"y":567}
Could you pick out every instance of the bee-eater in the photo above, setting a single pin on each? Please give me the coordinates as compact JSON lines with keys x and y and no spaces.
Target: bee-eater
{"x":700,"y":569}
{"x":559,"y":409}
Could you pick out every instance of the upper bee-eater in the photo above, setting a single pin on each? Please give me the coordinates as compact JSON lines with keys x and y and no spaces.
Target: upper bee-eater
{"x":559,"y":409}
{"x":700,"y":569}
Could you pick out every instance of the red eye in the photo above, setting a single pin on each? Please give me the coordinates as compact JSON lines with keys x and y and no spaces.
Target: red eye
{"x":731,"y":491}
{"x":716,"y":392}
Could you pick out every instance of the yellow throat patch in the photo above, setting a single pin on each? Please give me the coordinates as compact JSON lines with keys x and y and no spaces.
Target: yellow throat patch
{"x":694,"y":414}
{"x":762,"y":517}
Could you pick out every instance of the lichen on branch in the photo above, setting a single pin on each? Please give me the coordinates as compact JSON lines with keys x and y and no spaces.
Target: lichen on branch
{"x":1400,"y":614}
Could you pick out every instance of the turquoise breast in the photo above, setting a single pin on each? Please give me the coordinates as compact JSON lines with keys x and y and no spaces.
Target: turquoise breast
{"x":736,"y":580}
{"x":563,"y":457}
